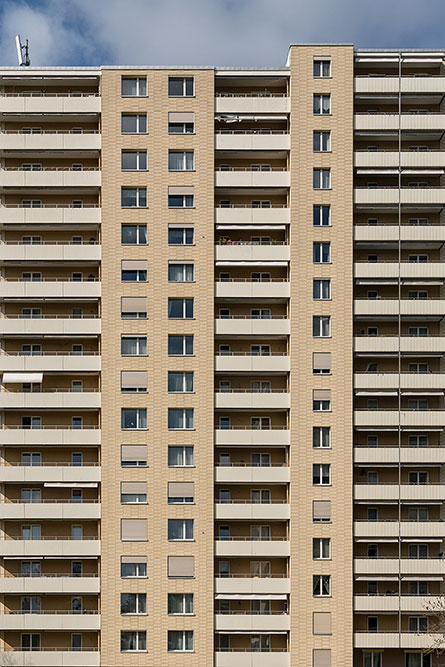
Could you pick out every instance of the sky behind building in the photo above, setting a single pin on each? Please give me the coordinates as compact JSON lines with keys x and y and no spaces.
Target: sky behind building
{"x":208,"y":32}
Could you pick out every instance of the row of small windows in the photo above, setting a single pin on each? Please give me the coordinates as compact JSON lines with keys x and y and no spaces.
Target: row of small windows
{"x":177,"y":161}
{"x":178,"y":123}
{"x":137,"y":198}
{"x":136,"y":419}
{"x":177,"y":86}
{"x":135,"y":271}
{"x":137,"y":235}
{"x":178,"y":346}
{"x":135,"y":641}
{"x":136,"y":381}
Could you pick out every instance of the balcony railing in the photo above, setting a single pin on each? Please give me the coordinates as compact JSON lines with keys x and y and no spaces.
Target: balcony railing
{"x":35,"y":134}
{"x":66,"y":501}
{"x":251,"y":576}
{"x":6,"y":427}
{"x":251,"y":131}
{"x":45,"y":464}
{"x":5,"y":316}
{"x":19,"y":612}
{"x":249,"y":465}
{"x":263,"y":208}
{"x":255,"y":93}
{"x":252,"y":317}
{"x":251,"y":280}
{"x":50,"y":280}
{"x":251,"y":391}
{"x":43,"y":538}
{"x":249,"y":501}
{"x":230,"y":242}
{"x":33,"y":171}
{"x":249,"y":427}
{"x":50,"y":206}
{"x":62,"y":243}
{"x":241,"y":538}
{"x":248,"y":354}
{"x":48,"y":575}
{"x":44,"y":93}
{"x":50,"y":353}
{"x":11,"y":649}
{"x":68,"y":390}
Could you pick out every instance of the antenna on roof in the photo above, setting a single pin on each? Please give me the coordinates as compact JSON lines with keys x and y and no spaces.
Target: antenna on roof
{"x":22,"y":52}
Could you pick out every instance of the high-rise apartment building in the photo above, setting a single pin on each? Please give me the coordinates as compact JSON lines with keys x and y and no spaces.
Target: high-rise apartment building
{"x":222,"y":406}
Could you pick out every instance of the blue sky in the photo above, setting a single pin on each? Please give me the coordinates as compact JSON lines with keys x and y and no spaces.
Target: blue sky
{"x":209,"y":32}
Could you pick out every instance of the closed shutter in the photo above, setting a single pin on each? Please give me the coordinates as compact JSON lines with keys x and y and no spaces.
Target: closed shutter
{"x":133,"y":559}
{"x":322,"y":657}
{"x":133,"y":487}
{"x":181,"y":190}
{"x":133,"y":379}
{"x":134,"y":453}
{"x":134,"y":530}
{"x":322,"y":510}
{"x":322,"y":360}
{"x":181,"y":489}
{"x":181,"y":117}
{"x":322,"y":394}
{"x":134,"y":265}
{"x":322,"y":623}
{"x":134,"y":304}
{"x":181,"y":566}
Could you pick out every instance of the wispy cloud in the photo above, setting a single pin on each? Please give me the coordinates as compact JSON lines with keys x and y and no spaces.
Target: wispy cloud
{"x":208,"y":32}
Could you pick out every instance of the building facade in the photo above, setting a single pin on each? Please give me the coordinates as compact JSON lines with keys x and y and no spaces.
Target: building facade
{"x":214,"y":448}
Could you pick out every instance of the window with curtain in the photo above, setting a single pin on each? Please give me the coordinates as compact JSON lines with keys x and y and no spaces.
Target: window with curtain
{"x":180,"y":382}
{"x":180,"y":160}
{"x":133,"y":641}
{"x":179,"y":457}
{"x":180,"y":273}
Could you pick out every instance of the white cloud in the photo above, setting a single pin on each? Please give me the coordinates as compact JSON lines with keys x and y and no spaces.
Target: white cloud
{"x":212,"y":32}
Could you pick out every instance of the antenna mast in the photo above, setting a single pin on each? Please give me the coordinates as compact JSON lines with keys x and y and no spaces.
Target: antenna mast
{"x":22,"y":52}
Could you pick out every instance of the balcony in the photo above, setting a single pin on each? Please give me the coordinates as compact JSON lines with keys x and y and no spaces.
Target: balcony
{"x":390,"y":603}
{"x":49,"y":178}
{"x":247,"y":437}
{"x":408,"y":344}
{"x":252,"y":586}
{"x":56,"y":472}
{"x":236,"y":474}
{"x":238,"y":215}
{"x":390,"y":307}
{"x":408,"y":640}
{"x":55,"y":103}
{"x":50,"y":141}
{"x":59,"y":325}
{"x":252,"y":104}
{"x":248,"y":363}
{"x":251,"y":623}
{"x":236,"y":658}
{"x":411,"y":529}
{"x":54,"y":621}
{"x":248,"y":400}
{"x":408,"y":566}
{"x":57,"y":362}
{"x":248,"y":326}
{"x":390,"y":195}
{"x":249,"y":548}
{"x":54,"y":436}
{"x":390,"y":381}
{"x":408,"y":84}
{"x":50,"y":400}
{"x":390,"y":121}
{"x":382,"y":492}
{"x":55,"y":657}
{"x":429,"y":419}
{"x":249,"y":252}
{"x":385,"y":455}
{"x":55,"y":584}
{"x":390,"y":233}
{"x":246,"y":178}
{"x":379,"y":270}
{"x":50,"y":289}
{"x":246,"y":289}
{"x":50,"y":215}
{"x":55,"y":547}
{"x":408,"y":159}
{"x":60,"y":510}
{"x":49,"y":252}
{"x":245,"y":510}
{"x":237,"y":140}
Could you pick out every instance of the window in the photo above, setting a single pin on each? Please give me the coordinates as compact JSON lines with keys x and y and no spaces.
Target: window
{"x":134,"y":161}
{"x":31,"y":422}
{"x":180,"y":604}
{"x":133,"y":567}
{"x":321,"y":216}
{"x":372,"y":624}
{"x":181,"y":122}
{"x":180,"y":493}
{"x":418,"y":368}
{"x":418,"y":478}
{"x":180,"y":309}
{"x":322,"y":142}
{"x":31,"y":350}
{"x":321,"y":585}
{"x":180,"y":236}
{"x":31,"y":240}
{"x":133,"y":641}
{"x":179,"y":383}
{"x":180,"y":419}
{"x":418,"y":624}
{"x":180,"y":346}
{"x":321,"y":253}
{"x":180,"y":273}
{"x":418,"y":441}
{"x":418,"y":660}
{"x":321,"y":474}
{"x":31,"y":313}
{"x":180,"y":641}
{"x":133,"y":419}
{"x":373,"y":514}
{"x":133,"y":456}
{"x":372,"y":441}
{"x":321,"y":437}
{"x":418,"y":331}
{"x":321,"y":326}
{"x":31,"y":605}
{"x":418,"y":222}
{"x":321,"y":511}
{"x":418,"y":404}
{"x":134,"y":123}
{"x":134,"y":530}
{"x":372,"y":659}
{"x":133,"y":493}
{"x":322,"y":179}
{"x":372,"y":477}
{"x":31,"y":459}
{"x":418,"y":551}
{"x":31,"y":568}
{"x":180,"y":567}
{"x":134,"y":234}
{"x":134,"y":197}
{"x":133,"y":308}
{"x":180,"y":86}
{"x":31,"y":532}
{"x":133,"y":603}
{"x":134,"y":346}
{"x":30,"y":642}
{"x":31,"y":203}
{"x":417,"y":514}
{"x":321,"y":548}
{"x":322,"y":105}
{"x":181,"y":161}
{"x":180,"y":529}
{"x":181,"y":201}
{"x":322,"y":68}
{"x":180,"y":457}
{"x":260,"y":313}
{"x":133,"y":87}
{"x":418,"y":295}
{"x":133,"y":271}
{"x":321,"y":289}
{"x":321,"y":363}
